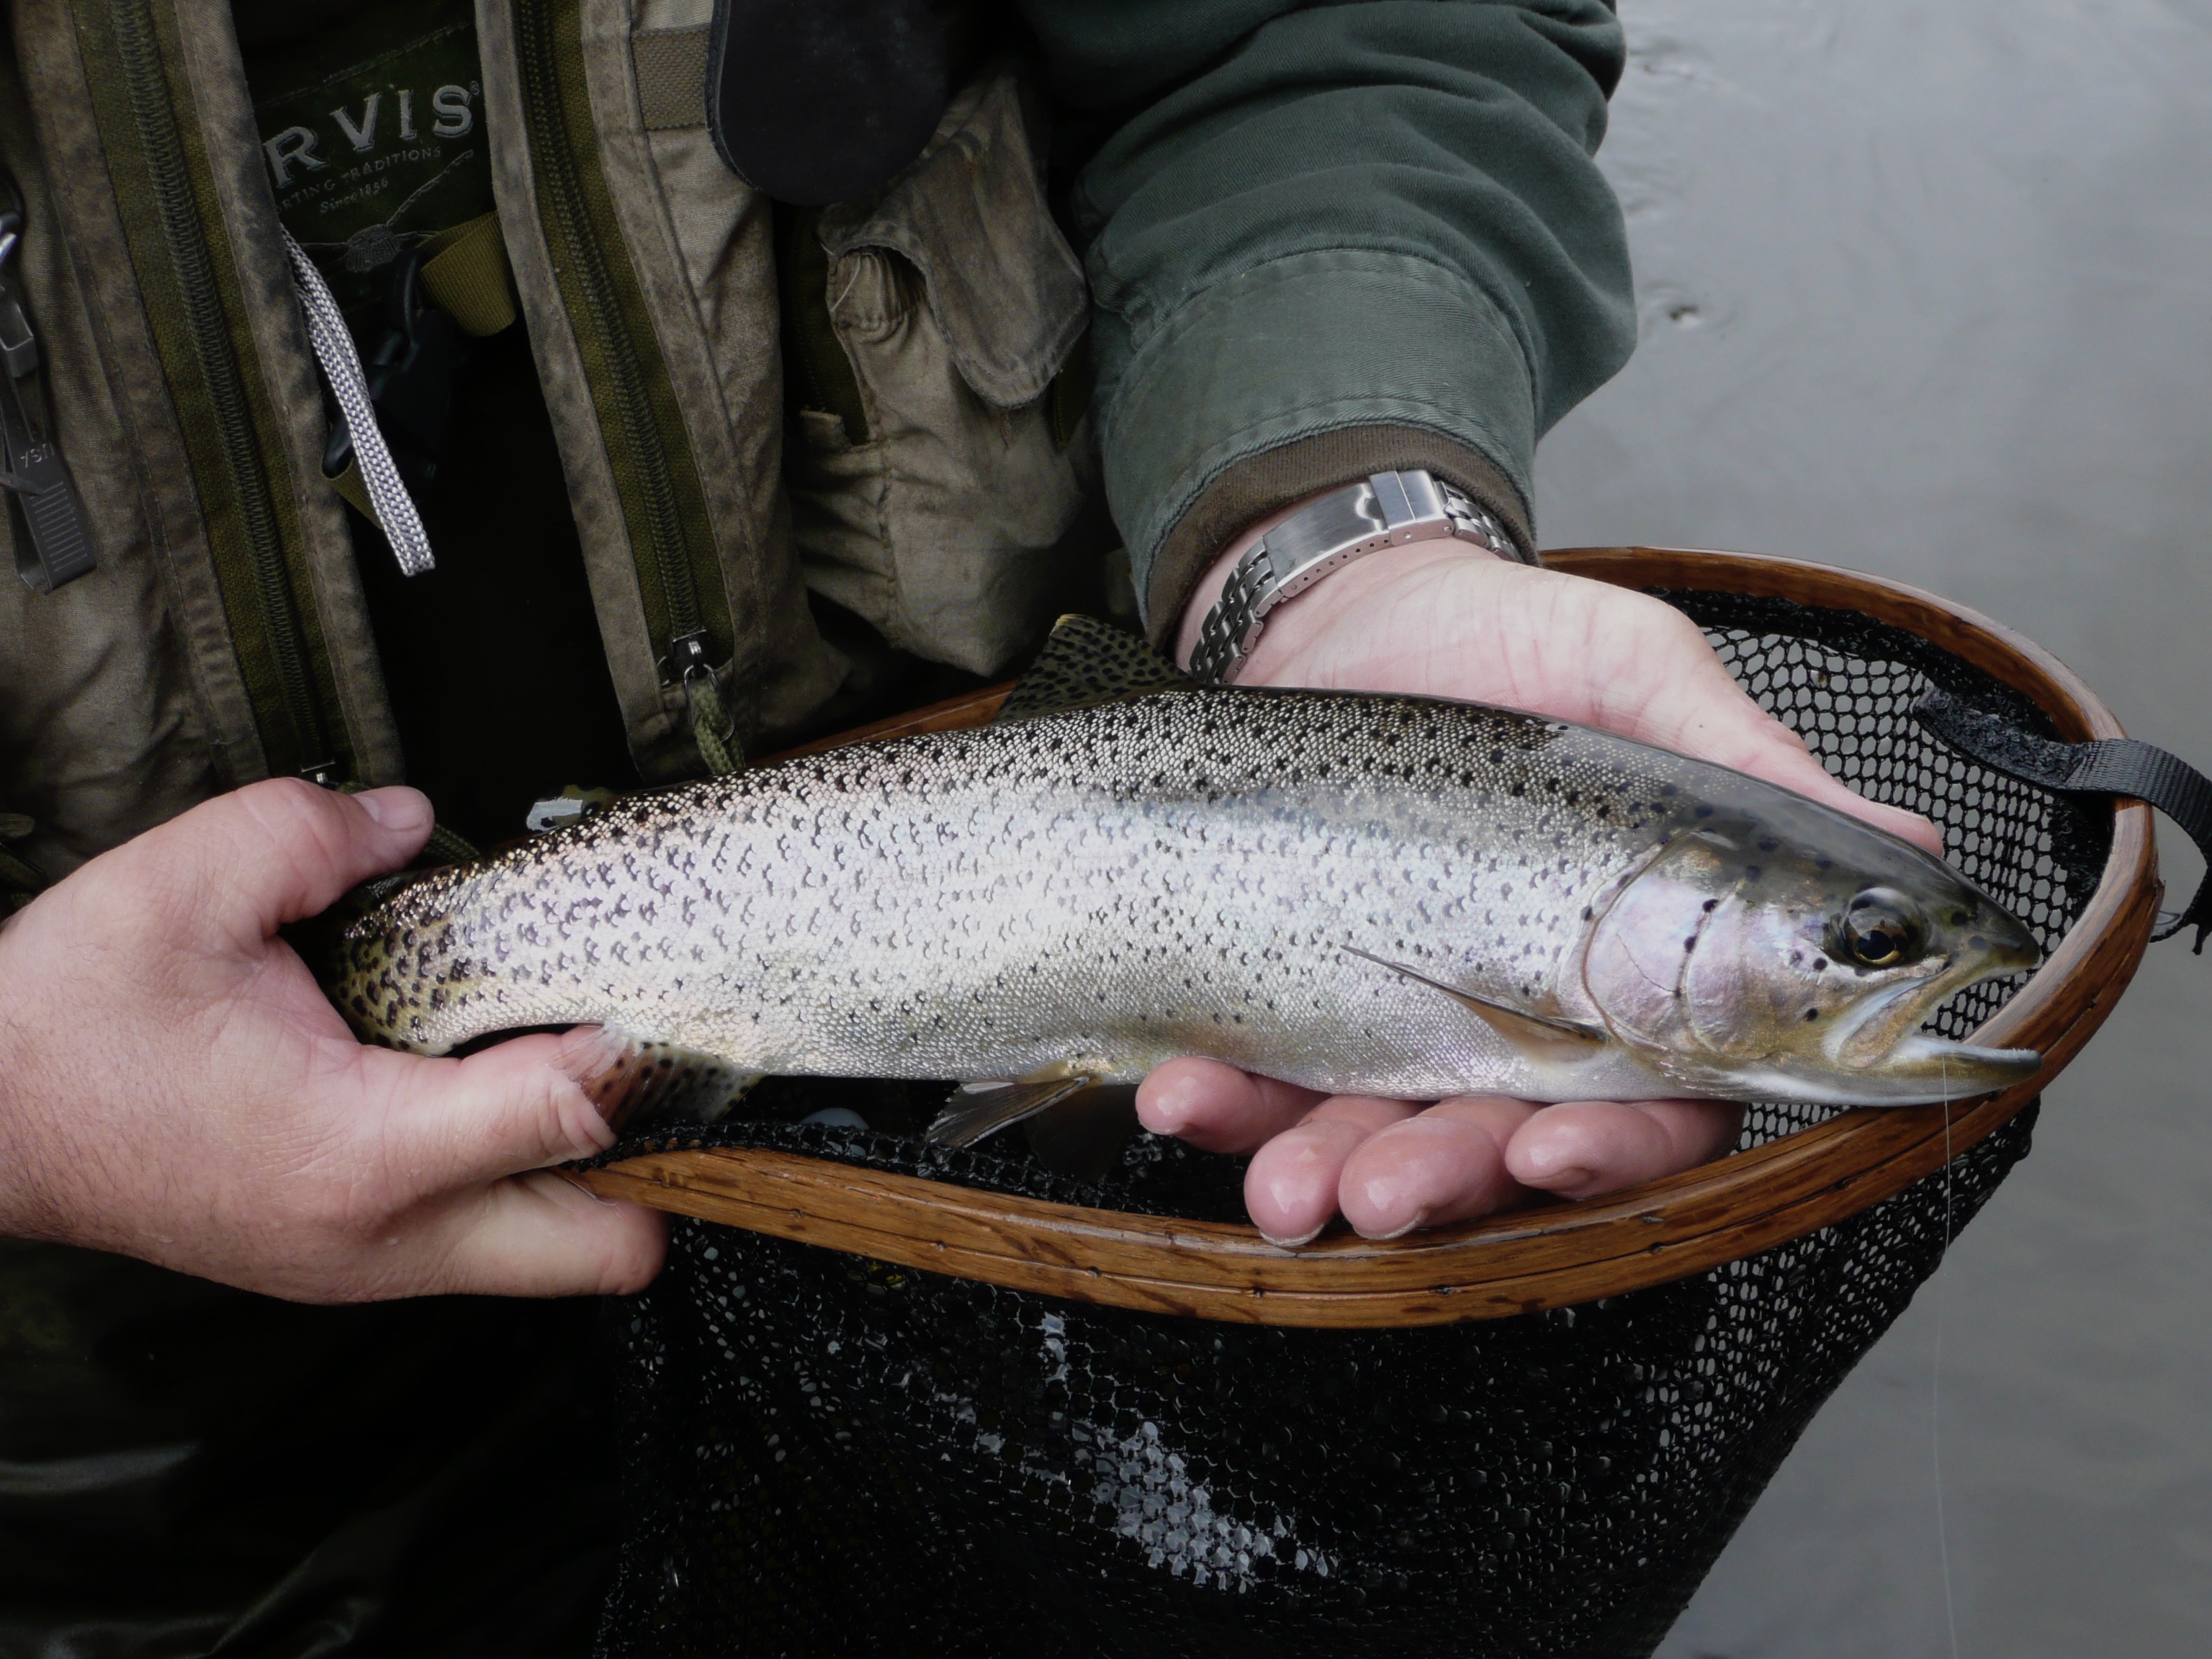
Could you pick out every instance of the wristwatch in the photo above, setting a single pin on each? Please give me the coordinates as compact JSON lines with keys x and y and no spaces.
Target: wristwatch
{"x":1389,"y":509}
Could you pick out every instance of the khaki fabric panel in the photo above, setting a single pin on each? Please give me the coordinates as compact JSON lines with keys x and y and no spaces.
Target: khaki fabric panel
{"x":654,"y":722}
{"x":101,"y":734}
{"x":196,"y":302}
{"x":672,"y":77}
{"x":701,"y":244}
{"x":970,"y":215}
{"x":960,"y":526}
{"x":288,"y":369}
{"x":118,"y":426}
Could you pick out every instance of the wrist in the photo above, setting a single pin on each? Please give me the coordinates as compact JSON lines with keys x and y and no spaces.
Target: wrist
{"x":1293,"y":621}
{"x":26,"y":1209}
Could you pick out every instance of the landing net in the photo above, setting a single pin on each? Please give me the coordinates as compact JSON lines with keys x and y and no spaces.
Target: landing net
{"x":827,"y":1455}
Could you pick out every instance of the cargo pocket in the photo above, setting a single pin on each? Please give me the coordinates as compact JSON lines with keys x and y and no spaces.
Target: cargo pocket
{"x":938,"y":477}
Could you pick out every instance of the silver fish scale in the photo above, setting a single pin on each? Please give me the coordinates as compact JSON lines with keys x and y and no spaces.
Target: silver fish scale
{"x":1097,"y":890}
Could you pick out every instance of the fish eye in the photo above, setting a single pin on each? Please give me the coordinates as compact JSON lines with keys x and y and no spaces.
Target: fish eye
{"x":1881,"y":929}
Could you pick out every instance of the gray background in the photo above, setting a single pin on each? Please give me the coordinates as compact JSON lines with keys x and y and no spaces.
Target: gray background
{"x":1926,"y":289}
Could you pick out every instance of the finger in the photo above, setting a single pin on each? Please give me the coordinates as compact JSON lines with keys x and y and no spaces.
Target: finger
{"x":1779,"y":756}
{"x":1446,"y":1164}
{"x":1585,"y":1148}
{"x":517,"y":1106}
{"x":1217,"y":1108}
{"x":1290,"y":1190}
{"x":533,"y":1235}
{"x":279,"y":850}
{"x":1684,"y":699}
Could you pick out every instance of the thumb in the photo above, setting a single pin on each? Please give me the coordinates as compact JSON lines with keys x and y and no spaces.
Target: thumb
{"x":517,"y":1105}
{"x":1725,"y":725}
{"x":283,"y":849}
{"x":470,"y":1141}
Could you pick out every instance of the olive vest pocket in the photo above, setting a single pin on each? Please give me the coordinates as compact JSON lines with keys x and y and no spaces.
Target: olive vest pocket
{"x":933,"y":493}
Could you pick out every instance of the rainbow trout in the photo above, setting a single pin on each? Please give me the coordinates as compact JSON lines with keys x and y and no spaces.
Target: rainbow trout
{"x":1361,"y":894}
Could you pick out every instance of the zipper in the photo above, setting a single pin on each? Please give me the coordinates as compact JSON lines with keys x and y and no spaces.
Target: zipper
{"x":138,"y":47}
{"x":654,"y":471}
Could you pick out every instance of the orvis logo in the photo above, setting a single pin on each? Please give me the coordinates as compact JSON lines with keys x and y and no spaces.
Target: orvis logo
{"x":299,"y":149}
{"x":371,"y":156}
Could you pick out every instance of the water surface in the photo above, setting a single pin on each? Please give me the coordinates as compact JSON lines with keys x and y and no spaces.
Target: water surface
{"x":1927,"y":290}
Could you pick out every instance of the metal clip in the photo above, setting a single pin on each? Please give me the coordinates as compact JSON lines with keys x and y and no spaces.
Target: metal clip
{"x":687,"y":657}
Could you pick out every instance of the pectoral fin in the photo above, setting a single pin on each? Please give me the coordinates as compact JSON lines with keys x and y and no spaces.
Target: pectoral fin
{"x":979,"y":1112}
{"x":1539,"y":1036}
{"x":644,"y":1082}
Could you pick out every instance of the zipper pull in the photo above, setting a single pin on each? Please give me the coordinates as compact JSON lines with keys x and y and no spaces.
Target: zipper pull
{"x":712,"y":729}
{"x":59,"y":550}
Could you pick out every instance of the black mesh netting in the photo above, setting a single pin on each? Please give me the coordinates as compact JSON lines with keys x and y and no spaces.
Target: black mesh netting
{"x":826,"y":1454}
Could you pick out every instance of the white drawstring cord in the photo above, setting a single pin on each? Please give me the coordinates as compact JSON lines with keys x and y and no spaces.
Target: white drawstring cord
{"x":332,"y":341}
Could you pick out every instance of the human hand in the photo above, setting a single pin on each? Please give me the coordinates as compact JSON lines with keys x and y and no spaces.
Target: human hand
{"x":174,"y":1087}
{"x":1444,"y":619}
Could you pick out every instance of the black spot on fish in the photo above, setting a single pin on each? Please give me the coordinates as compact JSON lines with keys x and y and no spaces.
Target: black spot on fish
{"x":1702,"y":812}
{"x":1711,"y":905}
{"x":1691,"y":943}
{"x":1588,"y":914}
{"x":1977,"y":942}
{"x":1812,"y":1013}
{"x":1669,"y":789}
{"x":1961,"y":918}
{"x":1818,"y":963}
{"x":1767,"y":843}
{"x":1752,"y":873}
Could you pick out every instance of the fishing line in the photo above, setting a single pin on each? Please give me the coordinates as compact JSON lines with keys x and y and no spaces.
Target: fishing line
{"x":1935,"y":1381}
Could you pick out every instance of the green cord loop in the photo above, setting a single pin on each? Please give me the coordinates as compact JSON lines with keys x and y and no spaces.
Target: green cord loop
{"x":711,"y":725}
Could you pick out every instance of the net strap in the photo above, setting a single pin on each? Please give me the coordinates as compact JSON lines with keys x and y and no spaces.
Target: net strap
{"x":2108,"y":766}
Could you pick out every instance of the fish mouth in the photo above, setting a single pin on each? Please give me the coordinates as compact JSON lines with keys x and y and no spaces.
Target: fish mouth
{"x":1891,"y":1061}
{"x":1926,"y":1071}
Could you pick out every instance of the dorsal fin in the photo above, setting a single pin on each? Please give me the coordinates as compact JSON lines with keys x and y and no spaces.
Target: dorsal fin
{"x":1087,"y":662}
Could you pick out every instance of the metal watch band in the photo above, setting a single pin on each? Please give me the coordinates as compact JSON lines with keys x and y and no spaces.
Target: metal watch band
{"x":1389,"y":509}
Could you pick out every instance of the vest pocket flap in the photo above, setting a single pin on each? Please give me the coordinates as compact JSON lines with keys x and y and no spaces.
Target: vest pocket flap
{"x":970,"y":216}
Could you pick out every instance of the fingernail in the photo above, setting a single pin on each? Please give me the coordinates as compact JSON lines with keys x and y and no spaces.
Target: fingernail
{"x":396,"y":808}
{"x":1166,"y":1117}
{"x":1420,"y":1219}
{"x":596,"y":1197}
{"x":1572,"y":1176}
{"x":1291,"y":1244}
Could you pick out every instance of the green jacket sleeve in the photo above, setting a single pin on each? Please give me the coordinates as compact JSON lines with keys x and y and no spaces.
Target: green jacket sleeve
{"x":1327,"y":240}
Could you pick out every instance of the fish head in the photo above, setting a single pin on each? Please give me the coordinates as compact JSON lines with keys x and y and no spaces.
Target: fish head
{"x":1799,"y":962}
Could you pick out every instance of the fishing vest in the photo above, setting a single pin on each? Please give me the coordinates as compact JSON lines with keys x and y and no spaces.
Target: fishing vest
{"x":927,"y":470}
